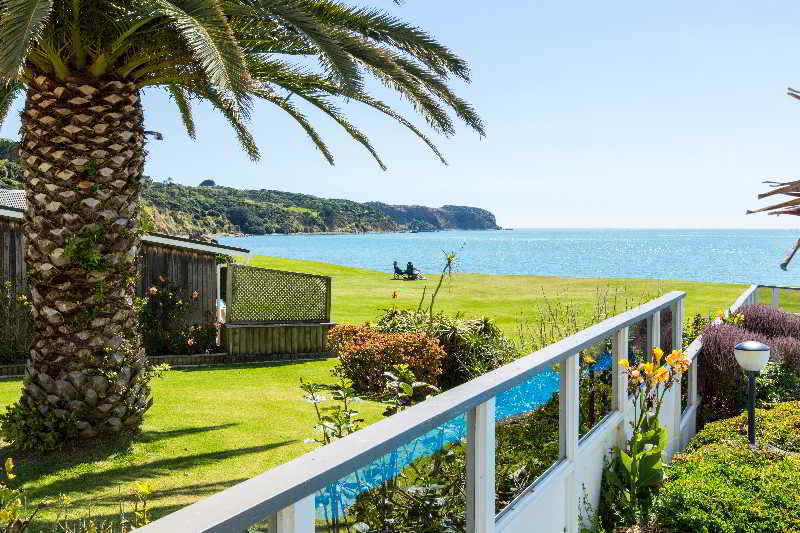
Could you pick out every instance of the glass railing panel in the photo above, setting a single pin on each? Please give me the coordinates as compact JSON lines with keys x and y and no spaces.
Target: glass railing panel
{"x":594,"y":381}
{"x":526,"y":434}
{"x":638,"y":351}
{"x":419,"y":486}
{"x":684,"y":391}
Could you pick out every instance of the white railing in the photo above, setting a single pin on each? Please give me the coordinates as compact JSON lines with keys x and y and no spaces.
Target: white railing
{"x":284,"y":496}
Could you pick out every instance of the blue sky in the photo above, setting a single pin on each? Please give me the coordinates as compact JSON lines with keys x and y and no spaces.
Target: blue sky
{"x":623,"y":114}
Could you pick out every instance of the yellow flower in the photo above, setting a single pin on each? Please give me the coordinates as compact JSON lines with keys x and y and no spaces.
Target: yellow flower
{"x":658,"y":353}
{"x":648,"y":368}
{"x":675,"y":357}
{"x":720,"y":315}
{"x":624,"y":363}
{"x":661,"y":375}
{"x":635,"y":374}
{"x":589,"y":360}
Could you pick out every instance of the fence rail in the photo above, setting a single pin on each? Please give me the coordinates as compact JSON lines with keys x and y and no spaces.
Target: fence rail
{"x":262,"y":295}
{"x":284,"y":496}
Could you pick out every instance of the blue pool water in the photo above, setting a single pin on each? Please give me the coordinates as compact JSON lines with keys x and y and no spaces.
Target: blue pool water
{"x":726,"y":256}
{"x":334,"y":499}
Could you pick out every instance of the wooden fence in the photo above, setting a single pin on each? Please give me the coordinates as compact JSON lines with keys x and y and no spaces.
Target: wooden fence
{"x":194,"y":270}
{"x":275,"y":312}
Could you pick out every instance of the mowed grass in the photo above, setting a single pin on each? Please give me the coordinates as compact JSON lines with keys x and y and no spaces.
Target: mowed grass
{"x":359,"y":294}
{"x":213,"y":427}
{"x":208,"y":429}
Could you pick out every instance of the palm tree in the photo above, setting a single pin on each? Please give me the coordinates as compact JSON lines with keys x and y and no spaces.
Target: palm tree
{"x":82,"y":65}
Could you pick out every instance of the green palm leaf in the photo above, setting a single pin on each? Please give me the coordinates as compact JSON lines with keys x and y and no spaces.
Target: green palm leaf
{"x":21,"y":24}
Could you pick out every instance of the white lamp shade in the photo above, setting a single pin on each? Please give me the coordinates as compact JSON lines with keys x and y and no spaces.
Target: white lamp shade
{"x":751,"y":355}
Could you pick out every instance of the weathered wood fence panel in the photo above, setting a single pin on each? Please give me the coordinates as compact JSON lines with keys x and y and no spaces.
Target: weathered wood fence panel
{"x":196,"y":271}
{"x":192,"y":270}
{"x":296,"y":340}
{"x":12,"y":254}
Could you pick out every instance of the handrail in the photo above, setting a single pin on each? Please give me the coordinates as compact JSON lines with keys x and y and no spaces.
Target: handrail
{"x":246,"y":503}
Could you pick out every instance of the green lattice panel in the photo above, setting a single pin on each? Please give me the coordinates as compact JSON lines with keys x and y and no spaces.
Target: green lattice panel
{"x":265,"y":295}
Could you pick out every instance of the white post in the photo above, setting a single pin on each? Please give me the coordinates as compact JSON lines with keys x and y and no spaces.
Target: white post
{"x":569,"y":405}
{"x":776,"y":298}
{"x":480,"y":468}
{"x":297,"y":518}
{"x":677,"y":344}
{"x":619,"y":378}
{"x":653,"y":334}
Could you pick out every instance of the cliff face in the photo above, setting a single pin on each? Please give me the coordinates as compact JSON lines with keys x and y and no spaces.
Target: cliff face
{"x":433,"y":218}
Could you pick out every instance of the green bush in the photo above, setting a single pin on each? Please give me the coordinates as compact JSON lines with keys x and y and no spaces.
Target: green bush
{"x":721,"y":485}
{"x":165,"y":325}
{"x":16,"y":323}
{"x":473,"y":346}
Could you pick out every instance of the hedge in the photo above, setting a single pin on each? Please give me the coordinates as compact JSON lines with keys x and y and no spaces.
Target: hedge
{"x":721,"y":485}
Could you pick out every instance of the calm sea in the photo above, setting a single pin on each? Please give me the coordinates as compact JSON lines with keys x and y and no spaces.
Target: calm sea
{"x":730,"y":256}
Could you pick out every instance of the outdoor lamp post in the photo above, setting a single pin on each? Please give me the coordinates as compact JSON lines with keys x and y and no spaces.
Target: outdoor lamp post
{"x":752,"y":356}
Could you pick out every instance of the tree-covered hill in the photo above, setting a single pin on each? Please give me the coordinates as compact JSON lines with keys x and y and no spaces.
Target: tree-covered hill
{"x":211,"y":209}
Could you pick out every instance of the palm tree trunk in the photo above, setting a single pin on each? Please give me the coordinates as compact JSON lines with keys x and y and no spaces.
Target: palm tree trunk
{"x":83,"y":154}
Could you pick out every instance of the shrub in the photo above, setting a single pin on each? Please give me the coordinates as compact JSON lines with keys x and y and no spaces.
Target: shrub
{"x":473,"y":346}
{"x":722,"y":485}
{"x":770,"y":322}
{"x":722,"y":384}
{"x":720,"y":380}
{"x":365,"y":355}
{"x":165,"y":325}
{"x":16,"y":325}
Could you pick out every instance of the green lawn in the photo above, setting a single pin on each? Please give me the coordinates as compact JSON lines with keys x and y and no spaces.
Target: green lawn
{"x":210,"y":428}
{"x":358,"y":294}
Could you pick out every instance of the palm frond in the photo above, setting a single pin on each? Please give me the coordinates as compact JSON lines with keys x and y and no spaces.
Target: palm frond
{"x":185,"y":108}
{"x":311,"y":87}
{"x":382,"y":27}
{"x":231,"y":113}
{"x":22,"y":23}
{"x":204,"y":29}
{"x":300,"y":118}
{"x":292,"y":13}
{"x":8,"y":93}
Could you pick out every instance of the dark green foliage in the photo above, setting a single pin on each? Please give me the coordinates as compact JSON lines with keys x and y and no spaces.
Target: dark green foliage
{"x":429,"y":494}
{"x":207,"y":183}
{"x":164,"y":325}
{"x":30,"y":430}
{"x":722,"y":486}
{"x":265,"y":211}
{"x":16,"y":331}
{"x":11,"y":175}
{"x":85,"y":250}
{"x":473,"y":346}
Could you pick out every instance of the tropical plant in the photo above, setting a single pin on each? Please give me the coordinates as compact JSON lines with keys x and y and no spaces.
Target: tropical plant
{"x":82,"y":65}
{"x":403,"y":389}
{"x":336,"y":421}
{"x":634,"y":472}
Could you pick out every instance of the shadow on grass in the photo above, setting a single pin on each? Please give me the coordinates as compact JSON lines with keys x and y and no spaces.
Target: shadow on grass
{"x":173,"y":466}
{"x":240,"y":366}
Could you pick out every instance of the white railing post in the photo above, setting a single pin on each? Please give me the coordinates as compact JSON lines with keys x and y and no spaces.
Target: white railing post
{"x":569,"y":420}
{"x":677,"y":388}
{"x":297,"y":518}
{"x":776,"y":297}
{"x":480,"y":468}
{"x":653,"y":334}
{"x":619,"y":381}
{"x":619,"y":378}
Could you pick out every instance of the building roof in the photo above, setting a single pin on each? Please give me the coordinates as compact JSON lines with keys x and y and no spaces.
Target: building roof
{"x":13,"y":198}
{"x":13,"y":204}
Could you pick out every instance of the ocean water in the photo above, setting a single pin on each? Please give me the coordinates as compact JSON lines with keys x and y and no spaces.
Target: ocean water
{"x":725,"y":256}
